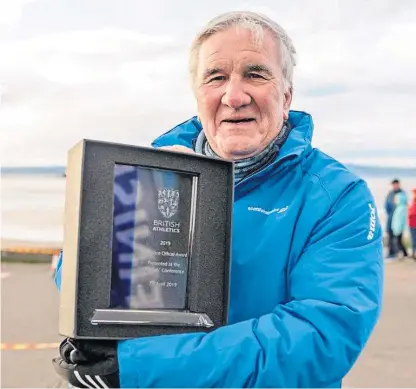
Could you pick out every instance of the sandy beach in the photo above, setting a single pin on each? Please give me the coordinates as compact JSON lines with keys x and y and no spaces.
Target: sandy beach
{"x":32,"y":211}
{"x":36,"y":225}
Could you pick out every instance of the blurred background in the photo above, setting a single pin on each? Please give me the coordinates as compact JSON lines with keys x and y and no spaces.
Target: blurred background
{"x":117,"y":71}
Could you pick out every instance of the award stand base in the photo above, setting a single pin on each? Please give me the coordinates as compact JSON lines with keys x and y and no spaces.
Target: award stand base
{"x":153,"y":318}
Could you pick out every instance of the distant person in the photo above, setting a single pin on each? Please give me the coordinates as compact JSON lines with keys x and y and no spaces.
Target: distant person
{"x":389,"y":207}
{"x":399,"y":221}
{"x":411,"y":218}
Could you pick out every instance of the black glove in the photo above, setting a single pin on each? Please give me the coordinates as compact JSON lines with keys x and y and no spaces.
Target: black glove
{"x":88,"y":363}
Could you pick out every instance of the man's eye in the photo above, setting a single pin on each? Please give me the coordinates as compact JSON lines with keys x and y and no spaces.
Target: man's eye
{"x":254,"y":75}
{"x":217,"y":78}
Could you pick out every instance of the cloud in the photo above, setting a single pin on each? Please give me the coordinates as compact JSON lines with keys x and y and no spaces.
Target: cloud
{"x":61,"y":88}
{"x":11,"y":11}
{"x":121,"y":75}
{"x":81,"y":57}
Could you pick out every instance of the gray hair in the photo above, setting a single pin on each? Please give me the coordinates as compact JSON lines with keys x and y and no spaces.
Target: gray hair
{"x":257,"y":23}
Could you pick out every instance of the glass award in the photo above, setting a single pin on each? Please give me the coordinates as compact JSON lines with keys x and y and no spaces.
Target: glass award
{"x":153,"y":231}
{"x":147,"y":242}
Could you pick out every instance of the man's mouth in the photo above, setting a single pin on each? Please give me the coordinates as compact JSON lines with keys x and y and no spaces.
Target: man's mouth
{"x":236,"y":121}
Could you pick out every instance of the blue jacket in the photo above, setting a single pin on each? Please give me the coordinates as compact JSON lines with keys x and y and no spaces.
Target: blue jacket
{"x":399,"y":218}
{"x":306,"y":280}
{"x":390,"y":206}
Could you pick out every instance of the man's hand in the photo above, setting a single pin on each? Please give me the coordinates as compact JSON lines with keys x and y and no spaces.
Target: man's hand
{"x":88,"y":363}
{"x":178,"y":148}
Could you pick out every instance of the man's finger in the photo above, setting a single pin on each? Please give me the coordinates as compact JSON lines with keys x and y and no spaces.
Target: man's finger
{"x":178,"y":148}
{"x":70,"y":353}
{"x":65,"y":350}
{"x":61,"y":367}
{"x":70,"y":375}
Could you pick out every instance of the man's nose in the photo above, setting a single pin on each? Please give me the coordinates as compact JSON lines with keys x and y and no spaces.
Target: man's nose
{"x":235,"y":96}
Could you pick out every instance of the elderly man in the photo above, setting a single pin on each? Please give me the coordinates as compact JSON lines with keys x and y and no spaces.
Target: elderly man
{"x":306,"y":279}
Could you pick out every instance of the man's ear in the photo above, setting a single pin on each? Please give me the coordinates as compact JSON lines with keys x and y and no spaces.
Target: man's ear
{"x":287,"y":102}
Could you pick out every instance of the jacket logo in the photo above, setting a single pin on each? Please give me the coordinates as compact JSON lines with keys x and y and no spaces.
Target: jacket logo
{"x":274,"y":210}
{"x":372,"y":227}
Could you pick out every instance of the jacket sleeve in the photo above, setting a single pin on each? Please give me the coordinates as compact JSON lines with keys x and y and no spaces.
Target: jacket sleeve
{"x":335,"y":292}
{"x":58,"y":271}
{"x":388,"y":204}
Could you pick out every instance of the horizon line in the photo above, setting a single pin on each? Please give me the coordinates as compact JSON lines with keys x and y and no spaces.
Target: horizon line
{"x":350,"y":164}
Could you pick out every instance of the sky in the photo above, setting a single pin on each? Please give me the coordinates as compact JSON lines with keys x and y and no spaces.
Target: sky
{"x":116,"y":70}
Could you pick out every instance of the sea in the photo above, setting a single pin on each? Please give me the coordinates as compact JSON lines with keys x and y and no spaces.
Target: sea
{"x":32,"y":205}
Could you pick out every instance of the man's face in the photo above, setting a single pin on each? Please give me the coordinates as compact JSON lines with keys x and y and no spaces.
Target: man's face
{"x":396,"y":186}
{"x":239,"y":91}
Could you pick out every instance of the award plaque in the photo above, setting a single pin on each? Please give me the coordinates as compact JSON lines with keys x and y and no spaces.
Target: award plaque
{"x":146,"y":242}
